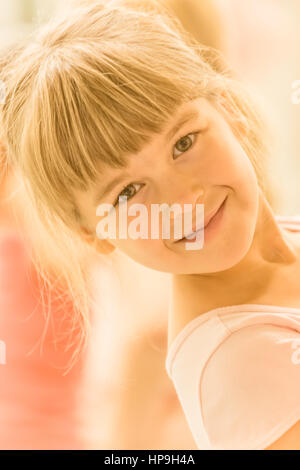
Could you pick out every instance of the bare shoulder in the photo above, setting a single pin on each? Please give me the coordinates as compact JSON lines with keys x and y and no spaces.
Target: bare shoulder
{"x":289,"y":440}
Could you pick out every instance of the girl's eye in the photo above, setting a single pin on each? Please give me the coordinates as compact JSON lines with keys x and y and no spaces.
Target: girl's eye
{"x":128,"y":192}
{"x":185,"y":143}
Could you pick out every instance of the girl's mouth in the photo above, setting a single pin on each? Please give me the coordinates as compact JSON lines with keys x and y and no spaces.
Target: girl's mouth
{"x":210,"y":228}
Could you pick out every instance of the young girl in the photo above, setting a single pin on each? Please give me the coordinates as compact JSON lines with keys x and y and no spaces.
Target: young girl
{"x":111,"y":101}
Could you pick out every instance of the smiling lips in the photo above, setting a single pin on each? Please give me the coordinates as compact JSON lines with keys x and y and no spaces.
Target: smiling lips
{"x":206,"y":222}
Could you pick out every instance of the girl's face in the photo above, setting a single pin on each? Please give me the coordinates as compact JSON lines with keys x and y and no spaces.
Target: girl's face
{"x":201,"y":163}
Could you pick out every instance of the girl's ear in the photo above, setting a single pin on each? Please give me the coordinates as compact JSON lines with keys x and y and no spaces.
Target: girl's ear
{"x":101,"y":245}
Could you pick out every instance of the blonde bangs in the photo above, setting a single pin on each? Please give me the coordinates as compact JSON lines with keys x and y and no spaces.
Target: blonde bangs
{"x":92,"y":103}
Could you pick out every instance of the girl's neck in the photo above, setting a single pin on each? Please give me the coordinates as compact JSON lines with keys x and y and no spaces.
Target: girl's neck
{"x":273,"y":249}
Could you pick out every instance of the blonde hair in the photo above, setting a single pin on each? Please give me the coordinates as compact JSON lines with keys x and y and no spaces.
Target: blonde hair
{"x":86,"y":91}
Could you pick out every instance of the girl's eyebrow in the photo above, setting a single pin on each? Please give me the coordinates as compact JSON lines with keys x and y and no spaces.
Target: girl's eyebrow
{"x":108,"y":188}
{"x":184,"y":118}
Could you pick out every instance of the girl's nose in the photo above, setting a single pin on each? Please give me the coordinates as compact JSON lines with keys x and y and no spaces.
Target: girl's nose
{"x":178,"y":185}
{"x":186,"y":196}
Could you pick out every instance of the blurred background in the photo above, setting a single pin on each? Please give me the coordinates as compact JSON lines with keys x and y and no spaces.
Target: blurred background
{"x":119,"y":396}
